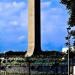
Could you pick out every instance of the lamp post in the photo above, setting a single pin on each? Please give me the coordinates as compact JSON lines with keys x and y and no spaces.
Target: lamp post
{"x":68,"y":44}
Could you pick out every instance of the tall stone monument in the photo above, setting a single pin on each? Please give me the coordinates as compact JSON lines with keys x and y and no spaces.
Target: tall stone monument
{"x":34,"y":35}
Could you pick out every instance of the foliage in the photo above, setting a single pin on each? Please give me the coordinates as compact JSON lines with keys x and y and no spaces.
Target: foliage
{"x":70,"y":5}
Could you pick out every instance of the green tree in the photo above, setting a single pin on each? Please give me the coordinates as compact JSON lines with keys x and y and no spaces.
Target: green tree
{"x":70,"y":5}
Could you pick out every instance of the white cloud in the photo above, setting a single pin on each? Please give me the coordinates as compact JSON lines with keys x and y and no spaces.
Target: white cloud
{"x":21,"y":38}
{"x":14,"y":4}
{"x":24,"y":18}
{"x":14,"y":23}
{"x":45,"y":4}
{"x":18,"y":5}
{"x":7,"y":9}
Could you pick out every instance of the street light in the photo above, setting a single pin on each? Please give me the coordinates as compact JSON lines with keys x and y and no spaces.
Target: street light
{"x":68,"y":44}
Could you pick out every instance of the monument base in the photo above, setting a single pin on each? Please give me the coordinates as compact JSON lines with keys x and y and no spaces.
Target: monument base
{"x":36,"y":52}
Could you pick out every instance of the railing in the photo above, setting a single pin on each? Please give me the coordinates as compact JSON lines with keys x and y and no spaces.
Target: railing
{"x":34,"y":66}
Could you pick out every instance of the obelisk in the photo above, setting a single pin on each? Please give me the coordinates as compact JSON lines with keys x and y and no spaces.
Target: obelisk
{"x":34,"y":43}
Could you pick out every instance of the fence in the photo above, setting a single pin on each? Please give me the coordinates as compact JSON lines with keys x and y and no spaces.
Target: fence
{"x":33,"y":66}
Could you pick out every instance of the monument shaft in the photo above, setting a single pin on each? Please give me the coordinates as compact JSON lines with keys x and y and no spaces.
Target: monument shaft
{"x":33,"y":27}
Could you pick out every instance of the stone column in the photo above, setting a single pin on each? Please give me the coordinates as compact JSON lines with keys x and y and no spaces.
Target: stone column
{"x":34,"y":42}
{"x":31,"y":27}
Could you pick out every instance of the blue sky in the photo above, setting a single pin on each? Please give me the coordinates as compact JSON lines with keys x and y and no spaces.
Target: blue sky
{"x":14,"y":24}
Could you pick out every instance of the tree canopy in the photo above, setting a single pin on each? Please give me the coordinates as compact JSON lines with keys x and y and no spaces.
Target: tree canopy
{"x":70,"y":5}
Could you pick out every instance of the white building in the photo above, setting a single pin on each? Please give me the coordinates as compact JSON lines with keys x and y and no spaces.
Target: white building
{"x":65,"y":49}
